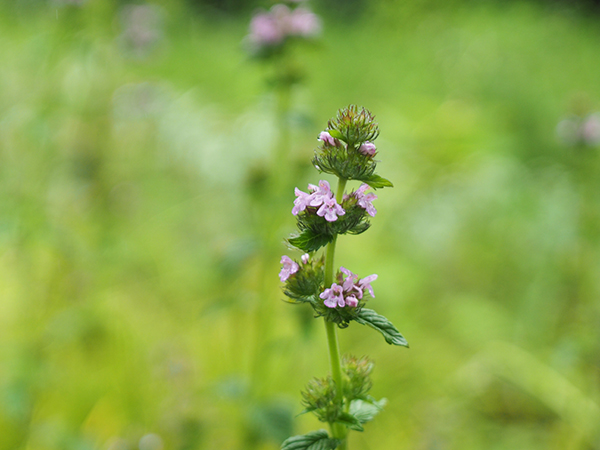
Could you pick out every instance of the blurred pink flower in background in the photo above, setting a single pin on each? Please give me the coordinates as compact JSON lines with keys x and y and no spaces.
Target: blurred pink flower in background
{"x":271,"y":28}
{"x":577,"y":130}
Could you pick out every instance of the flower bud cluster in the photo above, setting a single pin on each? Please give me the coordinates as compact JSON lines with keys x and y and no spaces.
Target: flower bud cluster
{"x":347,"y":149}
{"x":358,"y":381}
{"x":319,"y":396}
{"x":271,"y":29}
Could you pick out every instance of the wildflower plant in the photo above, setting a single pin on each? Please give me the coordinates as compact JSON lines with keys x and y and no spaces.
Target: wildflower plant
{"x":340,"y":296}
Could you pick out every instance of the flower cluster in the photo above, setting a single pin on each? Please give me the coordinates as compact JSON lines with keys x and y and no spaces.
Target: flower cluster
{"x":349,"y":291}
{"x":320,"y":196}
{"x":272,"y":28}
{"x":321,"y":201}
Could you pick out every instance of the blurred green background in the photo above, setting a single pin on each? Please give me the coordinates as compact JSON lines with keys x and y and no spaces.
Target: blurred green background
{"x":142,"y":220}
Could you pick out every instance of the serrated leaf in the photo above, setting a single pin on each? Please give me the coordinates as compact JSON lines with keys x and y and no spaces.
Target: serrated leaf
{"x":308,"y":241}
{"x":377,"y":182}
{"x":350,"y":421}
{"x":315,"y":440}
{"x":366,"y":411}
{"x":381,"y":324}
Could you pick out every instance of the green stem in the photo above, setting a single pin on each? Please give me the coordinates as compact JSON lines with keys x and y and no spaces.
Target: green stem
{"x":338,"y":430}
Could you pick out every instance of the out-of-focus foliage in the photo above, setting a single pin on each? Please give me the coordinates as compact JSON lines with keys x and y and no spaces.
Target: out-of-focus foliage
{"x":139,"y":299}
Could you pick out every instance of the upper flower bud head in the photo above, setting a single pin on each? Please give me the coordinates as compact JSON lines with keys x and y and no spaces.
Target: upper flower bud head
{"x":289,"y":268}
{"x":368,"y":149}
{"x":328,"y":139}
{"x":355,"y":125}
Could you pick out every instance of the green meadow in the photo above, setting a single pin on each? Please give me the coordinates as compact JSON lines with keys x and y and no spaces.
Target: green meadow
{"x":146,"y":187}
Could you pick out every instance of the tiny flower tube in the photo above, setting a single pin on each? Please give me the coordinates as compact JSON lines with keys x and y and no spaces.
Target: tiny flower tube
{"x":365,"y":283}
{"x":301,"y":202}
{"x":289,"y":268}
{"x":365,"y":201}
{"x":304,"y":258}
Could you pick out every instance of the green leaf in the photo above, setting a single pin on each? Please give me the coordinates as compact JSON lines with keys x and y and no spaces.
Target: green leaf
{"x":381,"y":324}
{"x":350,"y":421}
{"x":366,"y":411}
{"x":336,"y":134}
{"x":315,"y":440}
{"x":377,"y":182}
{"x":309,"y":241}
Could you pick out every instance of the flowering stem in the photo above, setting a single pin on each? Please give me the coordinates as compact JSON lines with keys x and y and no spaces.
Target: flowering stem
{"x":338,"y":430}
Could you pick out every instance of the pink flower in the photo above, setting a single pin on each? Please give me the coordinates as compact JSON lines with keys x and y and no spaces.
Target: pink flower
{"x":590,"y":130}
{"x":320,"y":193}
{"x":265,"y":30}
{"x":333,"y":296}
{"x":350,"y":278}
{"x":303,"y":22}
{"x":349,"y":283}
{"x":301,"y":202}
{"x":368,"y":148}
{"x":351,"y":300}
{"x":328,"y":139}
{"x":304,"y":258}
{"x":365,"y":283}
{"x":289,"y":268}
{"x":317,"y":197}
{"x":330,"y":209}
{"x":365,"y":200}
